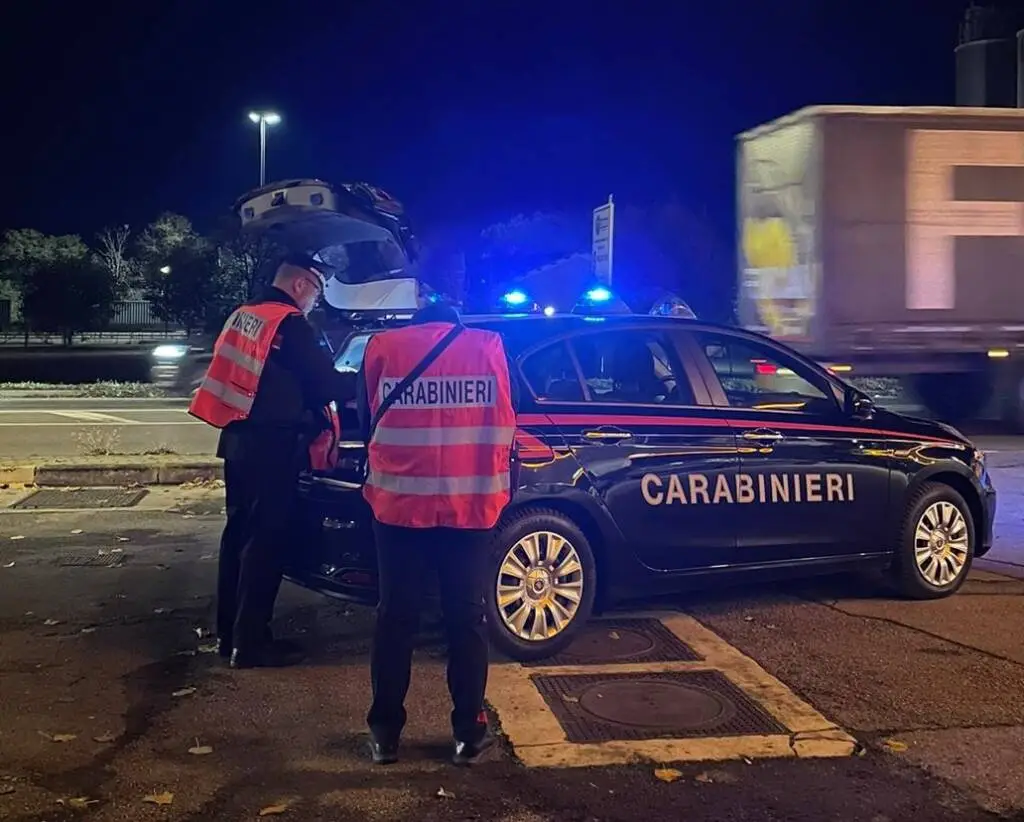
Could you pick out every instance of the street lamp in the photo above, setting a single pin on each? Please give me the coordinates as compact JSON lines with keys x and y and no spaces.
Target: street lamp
{"x":264,"y":119}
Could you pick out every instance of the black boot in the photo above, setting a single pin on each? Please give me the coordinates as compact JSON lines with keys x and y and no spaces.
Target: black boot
{"x":265,"y":656}
{"x":383,"y":749}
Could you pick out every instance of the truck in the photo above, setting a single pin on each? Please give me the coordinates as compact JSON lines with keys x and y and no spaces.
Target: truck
{"x":889,"y":242}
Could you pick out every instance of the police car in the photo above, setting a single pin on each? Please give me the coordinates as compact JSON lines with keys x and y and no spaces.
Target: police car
{"x":652,"y":450}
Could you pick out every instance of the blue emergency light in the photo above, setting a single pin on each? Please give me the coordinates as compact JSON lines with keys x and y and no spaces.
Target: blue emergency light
{"x":515,"y":297}
{"x":599,"y":294}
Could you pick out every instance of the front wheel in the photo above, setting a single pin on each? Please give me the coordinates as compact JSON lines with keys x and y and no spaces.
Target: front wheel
{"x":542,"y":585}
{"x":936,"y":544}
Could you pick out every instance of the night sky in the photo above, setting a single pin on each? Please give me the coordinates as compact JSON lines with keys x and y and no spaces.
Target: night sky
{"x":467,"y":111}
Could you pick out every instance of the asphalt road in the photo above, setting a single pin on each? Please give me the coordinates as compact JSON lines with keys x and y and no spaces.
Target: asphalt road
{"x":106,"y":683}
{"x":79,"y":427}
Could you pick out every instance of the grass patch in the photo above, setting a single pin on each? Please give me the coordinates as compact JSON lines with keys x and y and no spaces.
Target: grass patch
{"x":107,"y":389}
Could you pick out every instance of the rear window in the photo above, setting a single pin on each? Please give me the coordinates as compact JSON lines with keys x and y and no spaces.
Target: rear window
{"x":350,"y":358}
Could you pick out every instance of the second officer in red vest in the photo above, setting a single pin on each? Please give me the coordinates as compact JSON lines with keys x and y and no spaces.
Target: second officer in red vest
{"x":438,"y":414}
{"x":268,"y":388}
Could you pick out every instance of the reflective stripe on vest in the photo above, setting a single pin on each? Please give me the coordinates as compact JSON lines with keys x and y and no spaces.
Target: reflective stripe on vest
{"x":477,"y":435}
{"x":440,"y":456}
{"x":438,"y":486}
{"x":228,"y":389}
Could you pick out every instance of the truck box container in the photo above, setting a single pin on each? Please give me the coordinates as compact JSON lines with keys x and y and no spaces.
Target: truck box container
{"x":886,"y":230}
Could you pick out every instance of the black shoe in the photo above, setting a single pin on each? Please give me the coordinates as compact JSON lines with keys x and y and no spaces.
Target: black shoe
{"x":468,"y":753}
{"x":267,"y":656}
{"x":383,"y":750}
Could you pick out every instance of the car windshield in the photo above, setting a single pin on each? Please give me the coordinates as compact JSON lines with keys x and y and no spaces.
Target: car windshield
{"x":351,"y":355}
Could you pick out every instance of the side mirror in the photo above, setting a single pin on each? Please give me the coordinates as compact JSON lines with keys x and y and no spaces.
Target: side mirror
{"x":859,"y":405}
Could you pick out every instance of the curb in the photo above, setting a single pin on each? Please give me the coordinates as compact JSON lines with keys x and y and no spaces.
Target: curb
{"x":111,"y":474}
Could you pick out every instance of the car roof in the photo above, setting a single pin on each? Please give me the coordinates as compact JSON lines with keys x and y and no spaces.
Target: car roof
{"x":521,"y":331}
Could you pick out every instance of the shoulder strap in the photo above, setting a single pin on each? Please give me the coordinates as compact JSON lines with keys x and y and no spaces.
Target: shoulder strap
{"x":414,"y":375}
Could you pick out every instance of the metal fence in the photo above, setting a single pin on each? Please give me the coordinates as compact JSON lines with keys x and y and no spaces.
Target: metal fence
{"x":5,"y":314}
{"x":129,"y":319}
{"x":136,"y":315}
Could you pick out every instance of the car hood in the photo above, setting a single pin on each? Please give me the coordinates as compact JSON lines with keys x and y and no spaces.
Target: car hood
{"x":358,"y":231}
{"x":918,"y":426}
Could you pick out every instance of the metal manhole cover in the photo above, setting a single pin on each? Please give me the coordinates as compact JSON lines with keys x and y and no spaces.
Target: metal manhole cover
{"x":82,"y":498}
{"x":670,"y":705}
{"x":622,"y":640}
{"x":92,"y":560}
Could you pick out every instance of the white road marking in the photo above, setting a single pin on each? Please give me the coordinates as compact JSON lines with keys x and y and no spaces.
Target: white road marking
{"x":89,"y":416}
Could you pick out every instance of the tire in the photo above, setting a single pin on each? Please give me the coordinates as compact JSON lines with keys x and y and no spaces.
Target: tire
{"x":910,"y":578}
{"x":544,"y":524}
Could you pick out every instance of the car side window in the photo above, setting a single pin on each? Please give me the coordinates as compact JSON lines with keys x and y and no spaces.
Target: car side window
{"x":756,"y":377}
{"x":551,"y":374}
{"x":632,"y":366}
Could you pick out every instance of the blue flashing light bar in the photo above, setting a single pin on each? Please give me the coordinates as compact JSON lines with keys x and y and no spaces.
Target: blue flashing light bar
{"x":515,"y":297}
{"x":600,"y":294}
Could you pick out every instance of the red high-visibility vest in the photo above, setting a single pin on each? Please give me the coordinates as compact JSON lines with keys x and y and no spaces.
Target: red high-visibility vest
{"x":440,"y":456}
{"x":323,"y":451}
{"x":229,"y":387}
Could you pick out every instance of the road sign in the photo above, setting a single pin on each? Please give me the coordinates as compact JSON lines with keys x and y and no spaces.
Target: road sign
{"x":601,"y":249}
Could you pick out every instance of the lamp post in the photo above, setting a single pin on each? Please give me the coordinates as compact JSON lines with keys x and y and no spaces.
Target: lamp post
{"x":264,"y":119}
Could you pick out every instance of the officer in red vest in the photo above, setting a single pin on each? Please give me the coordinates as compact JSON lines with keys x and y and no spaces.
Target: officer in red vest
{"x":268,"y":388}
{"x":437,"y":409}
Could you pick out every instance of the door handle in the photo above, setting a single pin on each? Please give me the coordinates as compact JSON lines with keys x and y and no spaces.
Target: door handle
{"x":762,"y":435}
{"x":606,"y":434}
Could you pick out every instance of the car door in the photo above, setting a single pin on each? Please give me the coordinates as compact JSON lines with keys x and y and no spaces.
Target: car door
{"x":629,"y":409}
{"x":816,"y":482}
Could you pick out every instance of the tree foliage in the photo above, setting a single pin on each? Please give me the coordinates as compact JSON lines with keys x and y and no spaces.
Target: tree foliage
{"x":113,"y":252}
{"x":66,"y":295}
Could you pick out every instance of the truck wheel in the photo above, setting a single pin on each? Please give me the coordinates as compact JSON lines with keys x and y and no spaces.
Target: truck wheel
{"x":542,"y":585}
{"x":954,"y":398}
{"x":936,"y":544}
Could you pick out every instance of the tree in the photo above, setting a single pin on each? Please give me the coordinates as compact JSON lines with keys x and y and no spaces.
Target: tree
{"x":189,"y":289}
{"x":162,"y":237}
{"x":114,"y":255}
{"x":69,"y":294}
{"x":245,"y":261}
{"x":25,"y":251}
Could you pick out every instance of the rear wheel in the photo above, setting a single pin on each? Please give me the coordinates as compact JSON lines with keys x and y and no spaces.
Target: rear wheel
{"x":542,"y":586}
{"x":936,"y":544}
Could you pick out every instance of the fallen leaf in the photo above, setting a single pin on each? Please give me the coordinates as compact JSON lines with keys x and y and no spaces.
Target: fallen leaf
{"x":748,"y":619}
{"x":77,"y":531}
{"x":667,"y":774}
{"x":747,"y":760}
{"x":614,"y":635}
{"x":202,"y":633}
{"x":443,"y":794}
{"x":184,"y":692}
{"x":81,"y":802}
{"x":52,"y":622}
{"x":9,"y":565}
{"x":704,"y":777}
{"x":569,"y":698}
{"x":107,"y":737}
{"x":66,"y":700}
{"x":63,"y":737}
{"x":200,"y":750}
{"x":122,"y":539}
{"x":6,"y":789}
{"x":720,"y":777}
{"x":165,"y":798}
{"x":276,"y":809}
{"x":160,"y":610}
{"x":209,"y":648}
{"x":88,"y":631}
{"x":895,"y":746}
{"x":19,"y":536}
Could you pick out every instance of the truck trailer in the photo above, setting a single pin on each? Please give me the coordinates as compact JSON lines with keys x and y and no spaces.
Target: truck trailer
{"x":889,"y":242}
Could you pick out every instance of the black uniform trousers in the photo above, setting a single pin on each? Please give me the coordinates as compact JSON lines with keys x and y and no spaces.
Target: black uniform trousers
{"x":260,"y":476}
{"x":405,"y":558}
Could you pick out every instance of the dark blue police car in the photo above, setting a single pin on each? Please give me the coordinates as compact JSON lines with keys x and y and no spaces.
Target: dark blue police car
{"x":652,"y":451}
{"x":655,"y":451}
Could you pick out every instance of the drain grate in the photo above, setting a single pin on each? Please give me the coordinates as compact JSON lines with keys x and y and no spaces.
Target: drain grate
{"x":607,"y":707}
{"x":82,"y":498}
{"x":111,"y":559}
{"x":609,"y":641}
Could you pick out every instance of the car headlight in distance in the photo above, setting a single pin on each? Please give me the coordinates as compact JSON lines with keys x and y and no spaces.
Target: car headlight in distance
{"x":170,"y":352}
